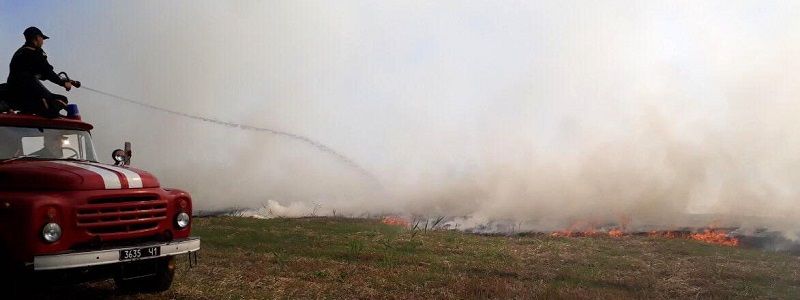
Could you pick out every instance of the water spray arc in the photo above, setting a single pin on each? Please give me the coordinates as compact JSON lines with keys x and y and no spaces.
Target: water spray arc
{"x":305,"y":140}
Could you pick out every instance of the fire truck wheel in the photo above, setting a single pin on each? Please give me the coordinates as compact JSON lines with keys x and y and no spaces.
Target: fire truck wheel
{"x":13,"y":279}
{"x":159,"y":282}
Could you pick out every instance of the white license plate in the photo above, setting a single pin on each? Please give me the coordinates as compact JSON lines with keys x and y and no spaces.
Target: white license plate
{"x":131,"y":254}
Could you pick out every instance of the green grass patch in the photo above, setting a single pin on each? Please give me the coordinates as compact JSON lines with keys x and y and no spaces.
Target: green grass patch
{"x":359,"y":258}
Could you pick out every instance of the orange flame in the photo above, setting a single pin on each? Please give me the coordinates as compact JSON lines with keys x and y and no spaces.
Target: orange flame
{"x":565,"y":233}
{"x":708,"y":235}
{"x":396,"y":221}
{"x":713,"y":236}
{"x":578,"y":229}
{"x":615,"y":233}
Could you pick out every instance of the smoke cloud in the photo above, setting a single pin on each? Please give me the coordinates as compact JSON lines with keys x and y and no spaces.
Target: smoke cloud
{"x":655,"y":113}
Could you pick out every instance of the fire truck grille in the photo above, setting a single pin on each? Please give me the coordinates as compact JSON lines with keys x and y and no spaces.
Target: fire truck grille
{"x":121,"y":214}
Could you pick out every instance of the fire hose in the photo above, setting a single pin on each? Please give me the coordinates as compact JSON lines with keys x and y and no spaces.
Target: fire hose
{"x":319,"y":146}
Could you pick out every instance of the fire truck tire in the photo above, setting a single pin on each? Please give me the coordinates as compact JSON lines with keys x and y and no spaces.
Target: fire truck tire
{"x":13,"y":280}
{"x":161,"y":281}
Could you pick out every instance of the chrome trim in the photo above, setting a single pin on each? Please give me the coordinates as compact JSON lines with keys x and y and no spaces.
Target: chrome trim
{"x":109,"y":256}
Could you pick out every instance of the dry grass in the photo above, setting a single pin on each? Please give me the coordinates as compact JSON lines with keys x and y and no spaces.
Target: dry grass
{"x":363,"y":259}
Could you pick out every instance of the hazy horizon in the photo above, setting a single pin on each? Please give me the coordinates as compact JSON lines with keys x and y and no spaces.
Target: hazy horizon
{"x":542,"y":112}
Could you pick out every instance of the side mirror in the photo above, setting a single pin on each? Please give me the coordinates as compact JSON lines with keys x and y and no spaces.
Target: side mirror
{"x":122,"y":157}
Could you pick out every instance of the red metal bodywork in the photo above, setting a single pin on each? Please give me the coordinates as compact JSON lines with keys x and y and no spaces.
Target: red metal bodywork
{"x":36,"y":192}
{"x":21,"y":120}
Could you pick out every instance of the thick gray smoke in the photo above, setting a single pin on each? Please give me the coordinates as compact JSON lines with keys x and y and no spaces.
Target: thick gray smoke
{"x":542,"y":113}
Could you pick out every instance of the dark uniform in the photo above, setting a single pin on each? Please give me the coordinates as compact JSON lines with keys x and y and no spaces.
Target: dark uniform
{"x":28,"y":68}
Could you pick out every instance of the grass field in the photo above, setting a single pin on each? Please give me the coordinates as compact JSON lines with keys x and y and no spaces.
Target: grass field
{"x":243,"y":258}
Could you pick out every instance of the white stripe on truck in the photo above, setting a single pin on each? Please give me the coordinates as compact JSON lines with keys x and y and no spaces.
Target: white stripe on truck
{"x":110,"y":179}
{"x":134,"y":180}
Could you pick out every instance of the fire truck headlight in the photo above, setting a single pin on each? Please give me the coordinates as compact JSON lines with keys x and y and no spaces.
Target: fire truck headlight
{"x":51,"y":232}
{"x":182,"y":220}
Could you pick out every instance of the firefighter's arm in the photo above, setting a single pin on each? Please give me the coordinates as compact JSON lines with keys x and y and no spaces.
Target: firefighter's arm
{"x":49,"y":74}
{"x":53,"y":77}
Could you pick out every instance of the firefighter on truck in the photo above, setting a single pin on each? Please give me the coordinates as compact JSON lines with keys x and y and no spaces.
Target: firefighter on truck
{"x":28,"y":68}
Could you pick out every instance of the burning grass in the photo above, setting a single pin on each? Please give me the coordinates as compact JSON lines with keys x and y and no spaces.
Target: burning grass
{"x":707,"y":235}
{"x":357,"y":258}
{"x":714,"y":236}
{"x":397,"y":221}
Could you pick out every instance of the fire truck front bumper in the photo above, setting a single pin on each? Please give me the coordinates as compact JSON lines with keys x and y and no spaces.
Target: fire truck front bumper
{"x":115,"y":255}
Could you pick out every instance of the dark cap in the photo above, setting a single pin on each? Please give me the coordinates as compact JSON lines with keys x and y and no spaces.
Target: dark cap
{"x":32,"y":32}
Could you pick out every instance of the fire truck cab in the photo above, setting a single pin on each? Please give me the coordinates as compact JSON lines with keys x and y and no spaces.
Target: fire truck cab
{"x":66,"y":217}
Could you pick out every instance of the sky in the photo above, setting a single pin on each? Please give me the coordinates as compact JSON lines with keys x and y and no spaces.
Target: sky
{"x":540,"y":111}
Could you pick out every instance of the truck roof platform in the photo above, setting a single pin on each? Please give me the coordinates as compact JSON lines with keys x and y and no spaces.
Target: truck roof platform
{"x":26,"y":120}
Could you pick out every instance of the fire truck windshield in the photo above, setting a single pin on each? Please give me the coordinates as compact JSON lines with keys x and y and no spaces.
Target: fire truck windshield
{"x":45,"y":143}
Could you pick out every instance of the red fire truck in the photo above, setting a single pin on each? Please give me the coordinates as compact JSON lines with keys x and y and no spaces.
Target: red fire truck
{"x":66,"y":217}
